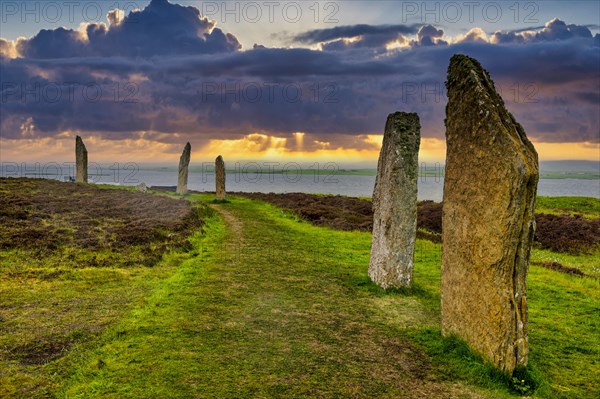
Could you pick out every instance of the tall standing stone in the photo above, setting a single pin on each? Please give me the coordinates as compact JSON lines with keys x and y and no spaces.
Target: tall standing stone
{"x":395,"y":203}
{"x":81,"y":161}
{"x":220,"y":178}
{"x":488,"y":218}
{"x":184,"y":163}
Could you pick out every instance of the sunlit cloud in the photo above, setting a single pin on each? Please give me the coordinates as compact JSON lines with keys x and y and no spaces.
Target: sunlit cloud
{"x":473,"y":35}
{"x":61,"y":148}
{"x":9,"y":48}
{"x":147,"y":148}
{"x":572,"y":151}
{"x":397,"y":44}
{"x":363,"y":73}
{"x":115,"y":17}
{"x":299,"y":141}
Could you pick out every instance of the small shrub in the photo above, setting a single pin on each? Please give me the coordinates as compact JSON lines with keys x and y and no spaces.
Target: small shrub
{"x":565,"y":233}
{"x":524,"y":380}
{"x":48,"y":216}
{"x":560,"y":233}
{"x":429,"y":216}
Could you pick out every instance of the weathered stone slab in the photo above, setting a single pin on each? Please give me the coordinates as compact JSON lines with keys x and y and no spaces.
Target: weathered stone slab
{"x":395,"y":203}
{"x":184,"y":163}
{"x":488,"y":218}
{"x":220,"y":178}
{"x":81,"y":161}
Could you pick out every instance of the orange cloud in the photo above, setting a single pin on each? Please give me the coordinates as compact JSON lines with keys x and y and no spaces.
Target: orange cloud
{"x":62,"y":149}
{"x":256,"y":146}
{"x":364,"y":148}
{"x":585,"y":151}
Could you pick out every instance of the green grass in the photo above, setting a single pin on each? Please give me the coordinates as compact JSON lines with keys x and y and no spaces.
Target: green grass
{"x":299,"y":319}
{"x":586,"y":206}
{"x":587,"y":175}
{"x":589,"y":264}
{"x":564,"y":333}
{"x":265,"y":305}
{"x":48,"y":309}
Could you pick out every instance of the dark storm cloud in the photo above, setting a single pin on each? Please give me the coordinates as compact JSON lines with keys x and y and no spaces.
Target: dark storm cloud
{"x":592,"y":97}
{"x":429,"y":35}
{"x":552,"y":31}
{"x":161,"y":28}
{"x":368,"y":42}
{"x":172,"y":71}
{"x":559,"y":30}
{"x":373,"y":38}
{"x":350,"y":31}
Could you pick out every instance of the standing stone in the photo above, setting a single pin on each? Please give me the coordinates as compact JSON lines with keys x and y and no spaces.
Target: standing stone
{"x":184,"y":163}
{"x":488,"y":218}
{"x":395,"y":203}
{"x":220,"y":177}
{"x":81,"y":161}
{"x":142,"y":188}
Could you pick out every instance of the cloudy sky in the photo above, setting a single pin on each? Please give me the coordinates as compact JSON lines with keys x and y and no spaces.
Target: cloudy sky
{"x":283,"y":80}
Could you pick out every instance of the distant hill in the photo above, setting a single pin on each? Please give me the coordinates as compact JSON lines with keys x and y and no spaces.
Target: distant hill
{"x":570,"y":166}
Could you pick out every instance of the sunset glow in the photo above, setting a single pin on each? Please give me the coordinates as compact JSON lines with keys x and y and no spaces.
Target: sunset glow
{"x":310,"y":90}
{"x":251,"y":147}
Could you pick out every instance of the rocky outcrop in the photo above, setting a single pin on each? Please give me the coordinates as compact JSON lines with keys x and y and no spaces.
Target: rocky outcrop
{"x":488,"y":218}
{"x":395,"y":203}
{"x":184,"y":163}
{"x":81,"y":161}
{"x":220,"y":178}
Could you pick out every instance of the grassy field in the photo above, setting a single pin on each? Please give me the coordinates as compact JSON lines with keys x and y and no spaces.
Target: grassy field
{"x":262,"y":304}
{"x":588,"y":207}
{"x":73,"y":260}
{"x":587,"y":175}
{"x":567,"y":235}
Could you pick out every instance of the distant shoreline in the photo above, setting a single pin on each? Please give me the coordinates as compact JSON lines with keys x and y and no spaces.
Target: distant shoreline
{"x":579,"y":175}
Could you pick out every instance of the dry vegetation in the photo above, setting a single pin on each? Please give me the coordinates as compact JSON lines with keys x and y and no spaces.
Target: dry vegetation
{"x":48,"y":216}
{"x":561,"y":233}
{"x":81,"y":316}
{"x":73,"y":259}
{"x":566,"y":233}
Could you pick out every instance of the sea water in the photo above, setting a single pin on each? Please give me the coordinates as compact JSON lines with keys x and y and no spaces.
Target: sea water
{"x":430,"y":187}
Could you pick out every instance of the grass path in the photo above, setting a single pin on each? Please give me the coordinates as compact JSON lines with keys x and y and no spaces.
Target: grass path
{"x":263,"y":305}
{"x":267,"y":307}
